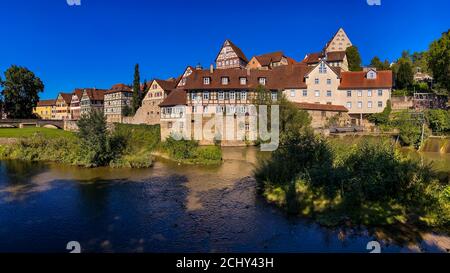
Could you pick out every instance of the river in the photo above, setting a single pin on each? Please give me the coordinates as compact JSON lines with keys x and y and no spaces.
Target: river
{"x":168,"y":208}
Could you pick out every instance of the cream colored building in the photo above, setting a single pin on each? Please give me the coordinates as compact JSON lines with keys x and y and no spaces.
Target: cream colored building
{"x":150,"y":112}
{"x":116,"y":101}
{"x":339,"y":42}
{"x":61,"y":110}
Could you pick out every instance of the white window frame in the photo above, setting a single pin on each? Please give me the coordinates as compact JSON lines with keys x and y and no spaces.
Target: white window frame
{"x":220,"y":95}
{"x":349,"y":104}
{"x":206,"y":80}
{"x":317,"y":93}
{"x":292,"y":93}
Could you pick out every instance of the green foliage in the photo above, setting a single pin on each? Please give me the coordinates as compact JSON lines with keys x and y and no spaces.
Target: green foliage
{"x":367,"y":183}
{"x":410,"y":128}
{"x":438,"y":120}
{"x":404,"y":76}
{"x":20,"y":92}
{"x":354,"y":59}
{"x":439,"y":60}
{"x":379,"y":65}
{"x":383,"y":117}
{"x":94,"y":139}
{"x":136,"y":101}
{"x":188,"y":151}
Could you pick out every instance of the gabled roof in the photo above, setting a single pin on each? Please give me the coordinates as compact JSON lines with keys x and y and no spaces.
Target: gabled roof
{"x":313,"y":58}
{"x":336,"y":56}
{"x":359,"y":80}
{"x":336,"y":70}
{"x":43,"y":103}
{"x":321,"y":107}
{"x":176,"y":97}
{"x":78,"y":92}
{"x":67,"y":97}
{"x":236,"y":50}
{"x":167,"y":85}
{"x":268,"y":58}
{"x":95,"y":94}
{"x":120,"y":87}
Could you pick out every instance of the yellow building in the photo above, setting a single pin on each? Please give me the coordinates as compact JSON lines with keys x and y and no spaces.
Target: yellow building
{"x":43,"y":109}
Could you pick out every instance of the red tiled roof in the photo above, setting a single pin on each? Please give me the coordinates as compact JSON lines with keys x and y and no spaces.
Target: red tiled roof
{"x":335,"y":56}
{"x":67,"y":97}
{"x":176,"y":97}
{"x":287,"y":76}
{"x":95,"y":94}
{"x":167,"y":84}
{"x":120,"y":87}
{"x":321,"y":107}
{"x":358,"y":80}
{"x":266,"y":59}
{"x":43,"y":103}
{"x":313,"y":58}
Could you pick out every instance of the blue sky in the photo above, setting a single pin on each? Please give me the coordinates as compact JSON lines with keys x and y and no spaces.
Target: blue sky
{"x":98,"y":43}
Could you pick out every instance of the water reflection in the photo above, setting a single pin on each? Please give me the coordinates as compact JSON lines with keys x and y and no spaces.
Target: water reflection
{"x":168,"y":208}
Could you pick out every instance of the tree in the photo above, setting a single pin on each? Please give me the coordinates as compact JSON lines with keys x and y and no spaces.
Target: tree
{"x":93,"y":137}
{"x":439,"y":60}
{"x":145,"y":88}
{"x":20,"y":92}
{"x":136,"y":102}
{"x":353,"y":58}
{"x":379,"y":65}
{"x":438,"y":120}
{"x":404,"y":76}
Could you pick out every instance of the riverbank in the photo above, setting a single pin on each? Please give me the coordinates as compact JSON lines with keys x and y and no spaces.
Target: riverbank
{"x":368,"y":183}
{"x":131,"y":146}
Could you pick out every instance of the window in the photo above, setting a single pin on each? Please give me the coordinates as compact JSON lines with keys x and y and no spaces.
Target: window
{"x":169,"y":125}
{"x":225,"y":80}
{"x":380,"y":104}
{"x":206,"y":95}
{"x":328,"y":81}
{"x":155,"y":86}
{"x":369,"y":93}
{"x":317,"y":93}
{"x":194,"y":109}
{"x":371,"y":75}
{"x":232,"y":95}
{"x":243,"y":81}
{"x":322,"y":68}
{"x":380,"y":93}
{"x":274,"y":96}
{"x":349,"y":105}
{"x":316,"y":81}
{"x":220,"y":95}
{"x":359,"y":93}
{"x":205,"y":109}
{"x":369,"y":104}
{"x":193,"y":96}
{"x":219,"y":109}
{"x":292,"y":93}
{"x":206,"y":80}
{"x":305,"y":93}
{"x":243,"y":95}
{"x":349,"y":94}
{"x":262,"y":81}
{"x":360,"y":104}
{"x":329,"y":93}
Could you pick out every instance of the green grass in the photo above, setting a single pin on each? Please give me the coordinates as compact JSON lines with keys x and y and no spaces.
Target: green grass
{"x":31,"y":131}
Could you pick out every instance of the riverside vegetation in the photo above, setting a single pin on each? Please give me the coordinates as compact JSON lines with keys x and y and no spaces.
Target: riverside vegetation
{"x":369,"y":183}
{"x":94,"y":146}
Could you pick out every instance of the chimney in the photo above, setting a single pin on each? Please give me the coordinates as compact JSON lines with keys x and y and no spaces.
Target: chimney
{"x":211,"y":68}
{"x":248,"y":71}
{"x":199,"y":67}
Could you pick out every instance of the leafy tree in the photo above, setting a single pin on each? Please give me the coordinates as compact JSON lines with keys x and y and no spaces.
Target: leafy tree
{"x":420,"y":62}
{"x":438,"y":120}
{"x":136,"y":101}
{"x":93,"y":136}
{"x":439,"y":60}
{"x":20,"y":92}
{"x":404,"y":77}
{"x":379,"y":65}
{"x":354,"y":59}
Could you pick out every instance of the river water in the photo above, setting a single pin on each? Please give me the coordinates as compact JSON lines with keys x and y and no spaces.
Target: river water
{"x":169,"y":208}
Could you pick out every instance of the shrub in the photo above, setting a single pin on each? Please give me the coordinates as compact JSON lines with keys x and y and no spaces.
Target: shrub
{"x":438,"y":120}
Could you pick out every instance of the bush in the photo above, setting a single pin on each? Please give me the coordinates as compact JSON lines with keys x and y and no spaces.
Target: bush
{"x":438,"y":120}
{"x":188,"y":151}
